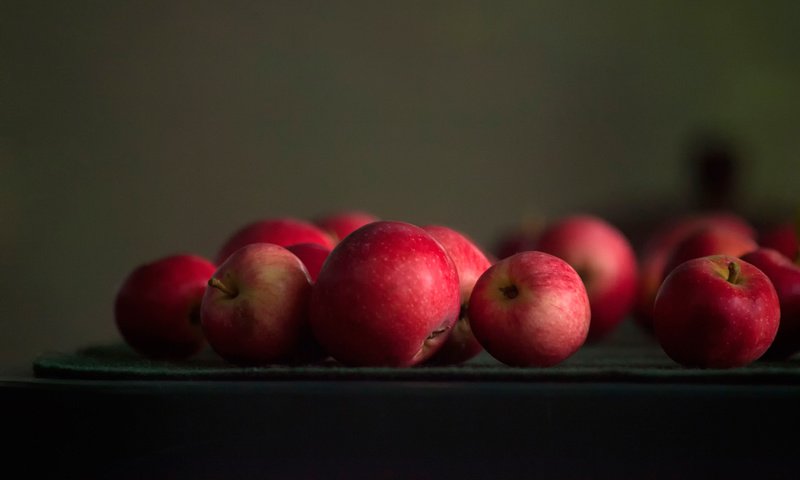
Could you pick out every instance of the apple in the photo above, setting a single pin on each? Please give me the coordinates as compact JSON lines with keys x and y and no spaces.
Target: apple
{"x":714,"y":240}
{"x":387,"y":295}
{"x":278,"y":231}
{"x":658,"y":248}
{"x":312,"y":255}
{"x":783,"y":238}
{"x":470,"y":261}
{"x":342,"y":224}
{"x":716,"y":312}
{"x":604,"y":259}
{"x":530,"y":309}
{"x":255,"y":307}
{"x":785,"y":277}
{"x":157,"y":308}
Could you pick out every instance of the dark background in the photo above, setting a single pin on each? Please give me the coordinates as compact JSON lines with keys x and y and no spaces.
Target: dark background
{"x":133,"y":130}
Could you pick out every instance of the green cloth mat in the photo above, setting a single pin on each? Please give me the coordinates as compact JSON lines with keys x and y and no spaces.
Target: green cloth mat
{"x":625,"y":361}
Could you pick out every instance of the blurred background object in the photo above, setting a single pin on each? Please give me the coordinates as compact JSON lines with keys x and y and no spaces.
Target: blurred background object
{"x":133,"y":130}
{"x":716,"y":165}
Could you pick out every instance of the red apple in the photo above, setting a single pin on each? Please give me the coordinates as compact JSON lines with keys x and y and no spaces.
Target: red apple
{"x":530,"y":309}
{"x":255,"y":308}
{"x":278,"y":231}
{"x":656,"y":252}
{"x":782,"y":238}
{"x":785,"y":277}
{"x":716,"y":312}
{"x":385,"y":296}
{"x":604,"y":259}
{"x":461,"y":344}
{"x":342,"y":224}
{"x":312,"y":255}
{"x":707,"y":241}
{"x":157,"y":309}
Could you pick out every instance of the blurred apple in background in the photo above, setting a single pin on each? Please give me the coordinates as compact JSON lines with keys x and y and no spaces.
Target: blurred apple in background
{"x":312,"y":255}
{"x":716,"y":312}
{"x":785,"y":277}
{"x":657,"y":250}
{"x":157,"y":308}
{"x":470,"y":262}
{"x":782,"y":237}
{"x":530,"y":309}
{"x":387,"y":295}
{"x":605,"y":261}
{"x":342,"y":224}
{"x":713,"y":240}
{"x":255,"y":308}
{"x":278,"y":231}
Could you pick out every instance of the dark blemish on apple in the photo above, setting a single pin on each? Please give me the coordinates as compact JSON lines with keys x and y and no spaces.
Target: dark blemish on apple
{"x":510,"y":291}
{"x":436,"y":333}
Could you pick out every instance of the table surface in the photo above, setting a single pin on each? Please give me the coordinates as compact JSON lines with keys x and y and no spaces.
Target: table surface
{"x":482,"y":420}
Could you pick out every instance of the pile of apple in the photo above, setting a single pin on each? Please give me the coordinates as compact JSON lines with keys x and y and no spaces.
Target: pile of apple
{"x":717,"y":294}
{"x":368,"y":292}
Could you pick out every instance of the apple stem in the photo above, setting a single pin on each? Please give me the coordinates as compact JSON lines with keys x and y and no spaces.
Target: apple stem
{"x":734,"y":272}
{"x":217,"y":283}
